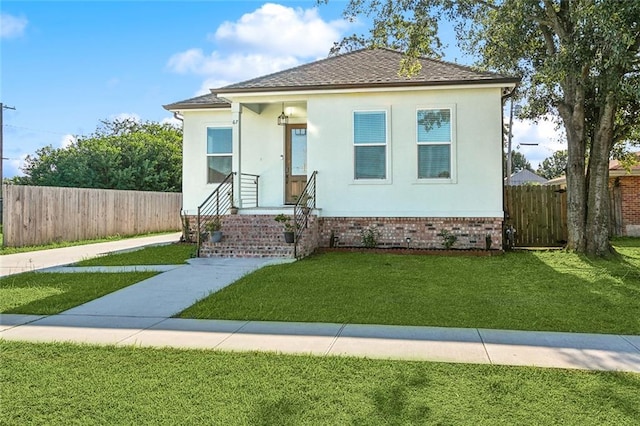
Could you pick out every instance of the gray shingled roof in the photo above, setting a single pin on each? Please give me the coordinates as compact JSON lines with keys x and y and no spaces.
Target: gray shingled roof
{"x":205,"y":101}
{"x":525,"y":176}
{"x":364,"y":68}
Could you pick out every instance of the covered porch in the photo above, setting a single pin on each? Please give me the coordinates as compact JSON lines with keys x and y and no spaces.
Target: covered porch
{"x":268,"y":156}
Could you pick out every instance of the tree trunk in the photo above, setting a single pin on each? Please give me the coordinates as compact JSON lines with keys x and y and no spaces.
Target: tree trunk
{"x":573,"y":117}
{"x":576,"y":191}
{"x":598,"y":210}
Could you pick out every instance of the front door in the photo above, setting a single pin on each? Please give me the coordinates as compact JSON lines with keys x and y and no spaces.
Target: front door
{"x":295,"y":162}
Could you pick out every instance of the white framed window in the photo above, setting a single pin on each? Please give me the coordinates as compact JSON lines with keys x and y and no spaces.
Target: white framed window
{"x":219,"y":150}
{"x":370,"y":145}
{"x":435,"y":141}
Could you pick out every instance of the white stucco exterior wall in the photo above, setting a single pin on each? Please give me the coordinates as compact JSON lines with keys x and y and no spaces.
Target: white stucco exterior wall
{"x":475,"y":189}
{"x":194,"y":154}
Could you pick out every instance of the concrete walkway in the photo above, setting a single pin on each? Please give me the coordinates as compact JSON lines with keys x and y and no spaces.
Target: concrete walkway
{"x":30,"y":261}
{"x":140,"y":315}
{"x":169,"y":293}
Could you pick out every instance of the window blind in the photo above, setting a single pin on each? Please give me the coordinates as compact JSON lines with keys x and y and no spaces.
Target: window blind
{"x":219,"y":140}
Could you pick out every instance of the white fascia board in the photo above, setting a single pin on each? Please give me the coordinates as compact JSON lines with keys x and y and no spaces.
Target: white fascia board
{"x":183,"y":110}
{"x":622,"y":173}
{"x":237,"y":96}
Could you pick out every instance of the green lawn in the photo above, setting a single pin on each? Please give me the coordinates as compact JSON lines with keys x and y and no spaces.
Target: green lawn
{"x":550,"y":291}
{"x":52,"y":293}
{"x":62,"y":384}
{"x":169,"y":254}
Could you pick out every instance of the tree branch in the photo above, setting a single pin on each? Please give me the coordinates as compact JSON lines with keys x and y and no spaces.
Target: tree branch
{"x":548,"y":39}
{"x":555,"y":19}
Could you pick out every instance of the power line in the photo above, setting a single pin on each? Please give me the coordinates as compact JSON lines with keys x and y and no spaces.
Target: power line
{"x":39,"y":130}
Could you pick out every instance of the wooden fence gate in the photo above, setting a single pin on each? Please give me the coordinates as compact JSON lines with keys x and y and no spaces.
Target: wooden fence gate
{"x":538,"y":213}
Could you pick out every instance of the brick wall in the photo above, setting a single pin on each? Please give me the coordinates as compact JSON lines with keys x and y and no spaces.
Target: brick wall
{"x":630,"y":195}
{"x":393,"y":231}
{"x":310,"y":238}
{"x":261,"y":235}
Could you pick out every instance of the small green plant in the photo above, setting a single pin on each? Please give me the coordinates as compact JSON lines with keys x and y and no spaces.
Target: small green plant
{"x":448,"y":239}
{"x":286,"y":222}
{"x":370,"y":237}
{"x":214,"y":225}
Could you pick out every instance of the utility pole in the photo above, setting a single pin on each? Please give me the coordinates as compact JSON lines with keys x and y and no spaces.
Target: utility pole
{"x":509,"y":136}
{"x":2,"y":108}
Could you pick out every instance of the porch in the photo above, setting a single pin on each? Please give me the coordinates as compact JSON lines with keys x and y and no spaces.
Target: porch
{"x":252,"y":230}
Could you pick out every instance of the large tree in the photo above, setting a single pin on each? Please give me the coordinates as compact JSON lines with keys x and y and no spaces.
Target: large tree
{"x":579,"y":59}
{"x":519,"y":162}
{"x":120,"y":154}
{"x":554,"y":166}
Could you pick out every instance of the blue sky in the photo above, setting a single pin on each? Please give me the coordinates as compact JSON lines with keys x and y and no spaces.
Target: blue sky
{"x":67,"y":65}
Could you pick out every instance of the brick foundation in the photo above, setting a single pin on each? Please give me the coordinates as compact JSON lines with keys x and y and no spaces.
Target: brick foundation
{"x":471,"y":233}
{"x":262,"y":236}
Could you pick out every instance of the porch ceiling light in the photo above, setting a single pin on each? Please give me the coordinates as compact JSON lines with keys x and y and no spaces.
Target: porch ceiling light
{"x":282,"y":118}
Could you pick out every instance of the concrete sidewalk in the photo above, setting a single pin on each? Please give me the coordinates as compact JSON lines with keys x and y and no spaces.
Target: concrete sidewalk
{"x":140,"y":315}
{"x":476,"y":346}
{"x":30,"y":261}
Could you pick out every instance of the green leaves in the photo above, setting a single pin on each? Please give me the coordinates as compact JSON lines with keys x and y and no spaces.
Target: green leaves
{"x":121,"y":154}
{"x":554,"y":166}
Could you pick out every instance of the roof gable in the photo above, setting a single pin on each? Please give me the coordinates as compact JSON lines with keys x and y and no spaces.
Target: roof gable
{"x":204,"y":101}
{"x":365,"y":68}
{"x":525,"y":176}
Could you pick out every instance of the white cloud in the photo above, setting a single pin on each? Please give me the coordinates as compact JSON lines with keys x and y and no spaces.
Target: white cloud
{"x":228,"y":68}
{"x":172,"y":121}
{"x":67,"y":140}
{"x":12,"y":26}
{"x":189,"y":61}
{"x":270,"y":39}
{"x":548,"y":136}
{"x":209,"y":83}
{"x":280,"y":30}
{"x":13,"y":165}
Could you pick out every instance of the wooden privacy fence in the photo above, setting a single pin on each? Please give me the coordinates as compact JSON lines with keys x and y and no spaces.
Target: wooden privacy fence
{"x":35,"y":215}
{"x":538,"y":213}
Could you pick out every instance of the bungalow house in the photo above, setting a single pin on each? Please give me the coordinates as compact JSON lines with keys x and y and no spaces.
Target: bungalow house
{"x":346,"y":147}
{"x":525,"y":177}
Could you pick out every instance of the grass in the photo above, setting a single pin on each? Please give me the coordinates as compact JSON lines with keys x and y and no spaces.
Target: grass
{"x":62,"y":244}
{"x":52,"y":293}
{"x":169,"y":254}
{"x":546,"y":291}
{"x":42,"y":384}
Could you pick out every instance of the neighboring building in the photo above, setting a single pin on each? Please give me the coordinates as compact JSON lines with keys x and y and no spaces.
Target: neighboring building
{"x":526,"y":177}
{"x":625,"y":197}
{"x":409,"y":156}
{"x":625,"y":191}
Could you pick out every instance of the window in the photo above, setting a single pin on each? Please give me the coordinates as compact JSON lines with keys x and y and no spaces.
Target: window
{"x":370,"y":144}
{"x":219,"y":148}
{"x":434,"y":143}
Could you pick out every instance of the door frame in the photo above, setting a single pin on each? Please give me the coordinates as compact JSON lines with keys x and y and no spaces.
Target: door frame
{"x":288,"y":196}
